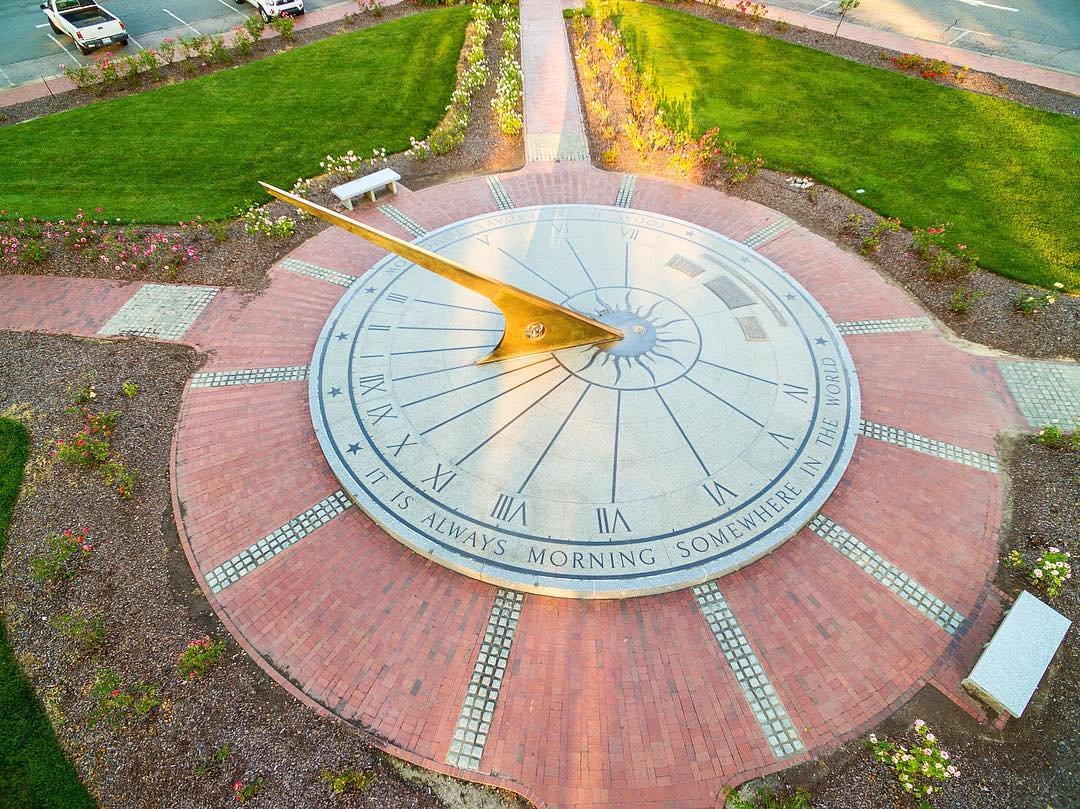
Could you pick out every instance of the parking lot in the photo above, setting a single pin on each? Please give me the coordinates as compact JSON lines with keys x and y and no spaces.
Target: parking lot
{"x":30,"y":51}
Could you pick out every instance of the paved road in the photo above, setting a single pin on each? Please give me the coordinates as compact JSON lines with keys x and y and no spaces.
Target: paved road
{"x":30,"y":50}
{"x":1042,"y":32}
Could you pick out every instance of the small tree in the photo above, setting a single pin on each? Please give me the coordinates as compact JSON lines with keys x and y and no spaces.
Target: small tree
{"x":844,"y":7}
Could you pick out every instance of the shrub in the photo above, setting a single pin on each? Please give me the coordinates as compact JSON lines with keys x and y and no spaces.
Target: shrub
{"x":62,"y":557}
{"x":116,"y":703}
{"x":129,"y":389}
{"x":258,"y":222}
{"x":243,"y":41}
{"x":963,"y":298}
{"x":1033,"y":300}
{"x":285,"y":26}
{"x":345,"y":781}
{"x":1054,"y":437}
{"x":200,"y":656}
{"x":217,"y":53}
{"x":117,"y":474}
{"x":167,"y":49}
{"x":85,"y":630}
{"x":918,"y":768}
{"x":255,"y":26}
{"x":82,"y":76}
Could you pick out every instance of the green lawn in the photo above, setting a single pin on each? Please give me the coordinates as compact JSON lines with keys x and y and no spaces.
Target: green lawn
{"x":1003,"y":174}
{"x":199,"y":146}
{"x":33,"y":770}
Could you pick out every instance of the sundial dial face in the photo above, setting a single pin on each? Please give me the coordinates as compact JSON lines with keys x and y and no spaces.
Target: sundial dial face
{"x":702,"y":440}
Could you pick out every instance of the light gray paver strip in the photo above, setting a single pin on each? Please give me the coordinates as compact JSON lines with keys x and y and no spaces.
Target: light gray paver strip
{"x":928,"y":446}
{"x":402,"y":219}
{"x":249,"y":376}
{"x":768,"y":233}
{"x":625,"y":197}
{"x":474,"y":721}
{"x":231,"y":571}
{"x":498,"y":192}
{"x":1045,"y":392}
{"x":159,"y":311}
{"x":315,"y":271}
{"x":887,"y":573}
{"x":558,"y":146}
{"x":764,"y":702}
{"x":886,"y":326}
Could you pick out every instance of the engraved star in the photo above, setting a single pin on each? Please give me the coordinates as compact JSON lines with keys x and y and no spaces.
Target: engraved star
{"x":791,"y":296}
{"x":353,"y":449}
{"x":370,"y":290}
{"x":342,"y":336}
{"x":335,"y":391}
{"x":820,"y":341}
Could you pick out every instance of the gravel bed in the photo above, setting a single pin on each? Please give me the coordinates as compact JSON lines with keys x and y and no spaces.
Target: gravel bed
{"x":1034,"y":762}
{"x":138,"y":579}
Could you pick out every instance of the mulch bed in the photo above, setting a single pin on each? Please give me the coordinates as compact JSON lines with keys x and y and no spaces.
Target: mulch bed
{"x":138,"y":579}
{"x":1035,"y":761}
{"x":991,"y":319}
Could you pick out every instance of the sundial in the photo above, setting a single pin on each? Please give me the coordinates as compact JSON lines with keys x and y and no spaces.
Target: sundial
{"x":582,"y":400}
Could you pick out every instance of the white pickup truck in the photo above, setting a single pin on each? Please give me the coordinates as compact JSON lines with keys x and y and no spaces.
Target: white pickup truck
{"x":90,"y":25}
{"x":268,"y":9}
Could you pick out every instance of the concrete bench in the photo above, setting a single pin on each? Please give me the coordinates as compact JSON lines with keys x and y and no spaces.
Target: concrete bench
{"x":1014,"y":661}
{"x":366,"y":185}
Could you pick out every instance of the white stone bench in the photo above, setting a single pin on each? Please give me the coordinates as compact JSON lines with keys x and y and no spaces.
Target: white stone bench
{"x":366,"y":185}
{"x":1014,"y":661}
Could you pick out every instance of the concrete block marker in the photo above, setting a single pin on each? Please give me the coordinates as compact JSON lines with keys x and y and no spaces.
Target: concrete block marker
{"x":403,"y":220}
{"x":159,"y":311}
{"x":887,"y":573}
{"x":250,"y":376}
{"x":1013,"y":663}
{"x":315,"y":271}
{"x":1045,"y":392}
{"x":768,"y":233}
{"x":498,"y":192}
{"x":886,"y":326}
{"x":764,"y":702}
{"x":234,"y":569}
{"x":928,"y":446}
{"x":625,"y":197}
{"x":474,"y":721}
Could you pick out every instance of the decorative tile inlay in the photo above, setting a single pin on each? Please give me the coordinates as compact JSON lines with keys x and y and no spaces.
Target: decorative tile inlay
{"x":928,"y":446}
{"x":766,"y":706}
{"x":315,"y":271}
{"x":1046,"y":392}
{"x":474,"y":722}
{"x":569,"y":146}
{"x":498,"y":191}
{"x":160,"y":311}
{"x":276,"y":541}
{"x":403,"y":220}
{"x":887,"y":326}
{"x":625,"y":197}
{"x":249,"y":376}
{"x":768,"y":233}
{"x":887,"y":573}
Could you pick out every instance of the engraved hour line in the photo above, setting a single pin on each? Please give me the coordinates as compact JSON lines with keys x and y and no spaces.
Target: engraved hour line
{"x":581,"y":263}
{"x":615,"y":452}
{"x":740,"y":373}
{"x":724,"y":401}
{"x":682,"y":433}
{"x":554,"y":438}
{"x":479,"y":381}
{"x":525,"y":266}
{"x":491,"y":399}
{"x":447,"y":328}
{"x":626,"y":264}
{"x":458,"y":306}
{"x":423,"y":351}
{"x":515,"y":418}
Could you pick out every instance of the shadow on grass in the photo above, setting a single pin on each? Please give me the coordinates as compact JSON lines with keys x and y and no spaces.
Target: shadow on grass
{"x":33,"y":769}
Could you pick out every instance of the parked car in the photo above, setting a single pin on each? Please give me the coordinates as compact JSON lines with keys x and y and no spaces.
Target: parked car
{"x":87,"y":23}
{"x":268,"y":9}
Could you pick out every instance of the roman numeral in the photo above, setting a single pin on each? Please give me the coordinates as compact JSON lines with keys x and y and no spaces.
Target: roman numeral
{"x":718,"y":492}
{"x":382,"y":412}
{"x":396,"y":297}
{"x":609,"y":523}
{"x":797,"y":392}
{"x":440,"y":479}
{"x":483,"y":239}
{"x":505,"y":509}
{"x":629,"y":233}
{"x":405,"y":442}
{"x":782,"y":440}
{"x":372,"y":384}
{"x":377,"y":327}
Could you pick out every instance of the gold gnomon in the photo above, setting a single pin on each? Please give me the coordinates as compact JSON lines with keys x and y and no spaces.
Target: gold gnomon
{"x":532,"y":324}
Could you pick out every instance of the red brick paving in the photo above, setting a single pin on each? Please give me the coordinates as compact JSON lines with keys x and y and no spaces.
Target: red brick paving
{"x":605,"y":703}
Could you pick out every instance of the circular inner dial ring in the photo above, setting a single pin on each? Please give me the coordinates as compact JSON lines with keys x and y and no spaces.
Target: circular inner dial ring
{"x":703,"y":439}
